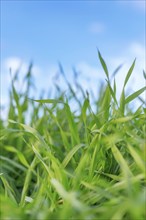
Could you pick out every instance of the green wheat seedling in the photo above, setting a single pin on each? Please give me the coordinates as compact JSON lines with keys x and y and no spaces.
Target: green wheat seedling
{"x":60,"y":163}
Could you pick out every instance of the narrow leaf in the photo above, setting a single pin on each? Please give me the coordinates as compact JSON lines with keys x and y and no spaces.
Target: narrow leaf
{"x":129,"y":73}
{"x":103,"y":64}
{"x":51,"y":101}
{"x":134,"y":95}
{"x":71,"y":154}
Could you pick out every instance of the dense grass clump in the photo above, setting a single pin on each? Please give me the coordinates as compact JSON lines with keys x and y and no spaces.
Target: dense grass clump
{"x":67,"y":164}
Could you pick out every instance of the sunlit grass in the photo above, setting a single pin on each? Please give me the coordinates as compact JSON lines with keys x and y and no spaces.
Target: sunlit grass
{"x":68,"y":164}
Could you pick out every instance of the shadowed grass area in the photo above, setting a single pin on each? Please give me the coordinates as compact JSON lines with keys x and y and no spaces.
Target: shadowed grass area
{"x":68,"y":164}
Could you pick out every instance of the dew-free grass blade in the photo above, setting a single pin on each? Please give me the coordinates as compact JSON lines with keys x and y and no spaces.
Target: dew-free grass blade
{"x":112,"y":93}
{"x":41,"y":159}
{"x":144,"y":74}
{"x":134,"y":95}
{"x":8,"y":189}
{"x":84,"y":109}
{"x":32,"y":131}
{"x":121,"y":161}
{"x":104,"y":66}
{"x":12,"y":163}
{"x":62,"y":132}
{"x":45,"y":101}
{"x":27,"y":182}
{"x":129,"y":73}
{"x":137,"y":158}
{"x":70,"y":197}
{"x":71,"y":154}
{"x":19,"y":154}
{"x":122,"y":102}
{"x":72,"y":125}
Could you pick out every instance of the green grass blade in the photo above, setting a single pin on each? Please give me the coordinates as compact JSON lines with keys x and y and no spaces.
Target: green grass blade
{"x":72,"y":125}
{"x":70,"y":197}
{"x":104,"y":66}
{"x":134,"y":95}
{"x":122,"y":102}
{"x":84,"y":109}
{"x":41,"y":160}
{"x":129,"y":73}
{"x":121,"y":161}
{"x":144,"y":74}
{"x":112,"y":93}
{"x":45,"y":101}
{"x":137,"y":158}
{"x":27,"y":182}
{"x":19,"y":154}
{"x":12,"y":163}
{"x":71,"y":154}
{"x":32,"y":131}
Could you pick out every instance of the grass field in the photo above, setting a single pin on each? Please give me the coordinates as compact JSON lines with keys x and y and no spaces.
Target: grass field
{"x":63,"y":163}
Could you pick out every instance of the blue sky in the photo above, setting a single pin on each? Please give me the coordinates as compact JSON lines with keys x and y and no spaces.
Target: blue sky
{"x":70,"y":31}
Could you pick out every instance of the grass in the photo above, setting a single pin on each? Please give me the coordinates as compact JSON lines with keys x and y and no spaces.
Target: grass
{"x":66,"y":164}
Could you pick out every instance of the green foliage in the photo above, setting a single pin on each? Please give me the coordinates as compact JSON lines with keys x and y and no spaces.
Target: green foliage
{"x":59,"y":163}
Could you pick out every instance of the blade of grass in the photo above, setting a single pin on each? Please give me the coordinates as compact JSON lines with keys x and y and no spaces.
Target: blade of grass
{"x":129,"y":73}
{"x":104,"y":66}
{"x":134,"y":95}
{"x":71,"y":154}
{"x":72,"y":125}
{"x":121,"y":161}
{"x":32,"y":131}
{"x":19,"y":154}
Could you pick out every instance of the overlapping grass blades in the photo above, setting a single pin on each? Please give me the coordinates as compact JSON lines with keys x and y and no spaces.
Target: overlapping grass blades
{"x":63,"y":164}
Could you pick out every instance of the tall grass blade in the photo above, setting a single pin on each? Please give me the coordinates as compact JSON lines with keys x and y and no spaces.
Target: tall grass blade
{"x":129,"y":73}
{"x":104,"y":66}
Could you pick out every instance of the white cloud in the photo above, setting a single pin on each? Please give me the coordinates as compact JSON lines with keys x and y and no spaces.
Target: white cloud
{"x":97,"y":28}
{"x":17,"y":64}
{"x":90,"y":77}
{"x":13,"y":63}
{"x":42,"y":75}
{"x":137,"y":49}
{"x":87,"y":70}
{"x":42,"y":78}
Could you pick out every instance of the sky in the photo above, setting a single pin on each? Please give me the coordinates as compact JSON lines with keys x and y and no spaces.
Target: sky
{"x":48,"y":32}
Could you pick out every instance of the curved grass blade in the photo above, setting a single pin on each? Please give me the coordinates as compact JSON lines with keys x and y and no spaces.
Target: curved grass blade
{"x":32,"y":131}
{"x":13,"y":163}
{"x":70,"y":197}
{"x":137,"y":158}
{"x":71,"y":154}
{"x":112,"y":93}
{"x":19,"y":154}
{"x":134,"y":95}
{"x":121,"y":161}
